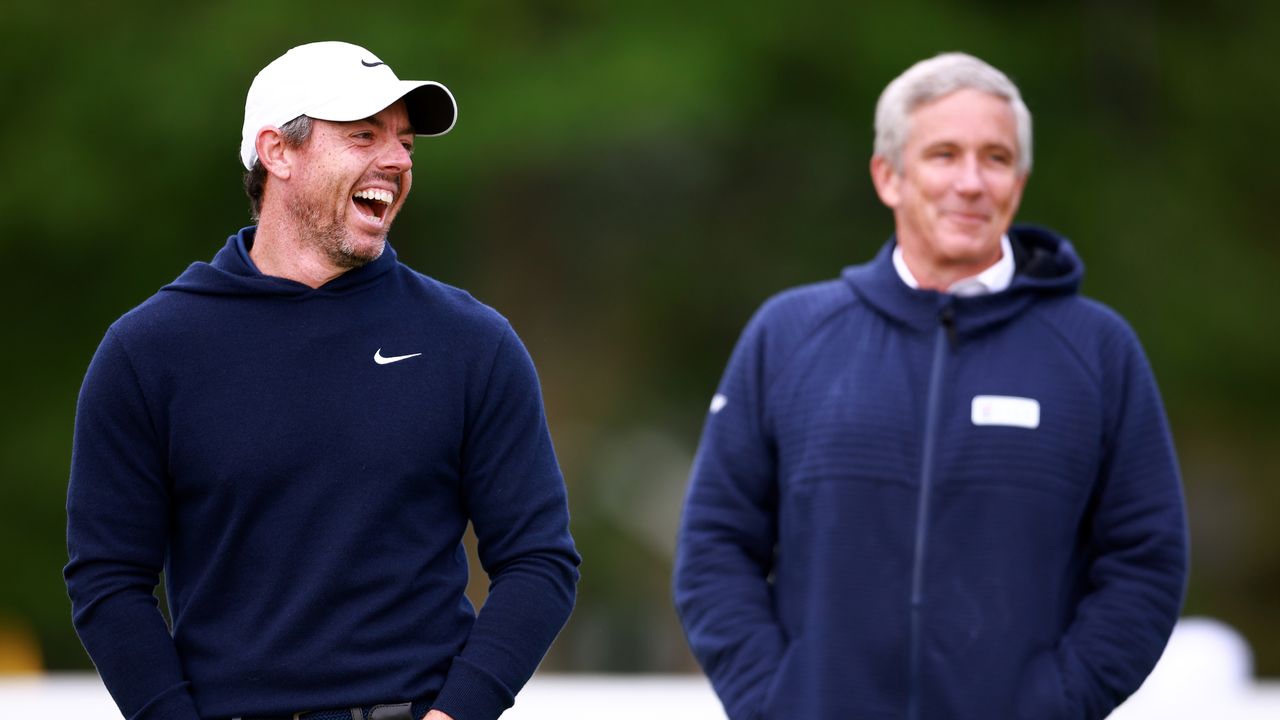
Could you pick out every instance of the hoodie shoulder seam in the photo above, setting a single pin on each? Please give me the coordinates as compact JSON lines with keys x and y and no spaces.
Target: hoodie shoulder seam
{"x":116,"y":334}
{"x":1040,"y":312}
{"x":825,"y":316}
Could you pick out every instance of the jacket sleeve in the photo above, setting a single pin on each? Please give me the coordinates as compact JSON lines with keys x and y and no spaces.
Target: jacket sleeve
{"x":515,"y":496}
{"x":727,"y":537}
{"x":117,"y":532}
{"x":1138,"y":543}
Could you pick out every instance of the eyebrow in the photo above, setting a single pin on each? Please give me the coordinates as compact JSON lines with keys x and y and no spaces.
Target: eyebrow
{"x":378,"y":123}
{"x":981,"y":146}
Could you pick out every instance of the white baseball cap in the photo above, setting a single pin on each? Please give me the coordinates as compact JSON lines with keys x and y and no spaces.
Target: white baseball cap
{"x":341,"y":82}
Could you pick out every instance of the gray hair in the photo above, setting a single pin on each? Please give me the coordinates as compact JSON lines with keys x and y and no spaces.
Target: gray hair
{"x":937,"y":77}
{"x":295,"y":132}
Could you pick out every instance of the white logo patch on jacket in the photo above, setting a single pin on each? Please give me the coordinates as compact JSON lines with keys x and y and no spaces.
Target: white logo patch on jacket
{"x":1007,"y":411}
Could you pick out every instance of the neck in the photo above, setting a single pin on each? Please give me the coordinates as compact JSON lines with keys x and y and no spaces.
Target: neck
{"x":281,"y":250}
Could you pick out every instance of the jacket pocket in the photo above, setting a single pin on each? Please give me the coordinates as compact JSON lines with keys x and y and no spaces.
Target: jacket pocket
{"x":768,"y":709}
{"x":1041,"y":693}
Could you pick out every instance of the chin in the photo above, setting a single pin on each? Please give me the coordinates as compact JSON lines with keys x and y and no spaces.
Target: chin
{"x":965,"y":247}
{"x":368,"y":252}
{"x":353,"y":252}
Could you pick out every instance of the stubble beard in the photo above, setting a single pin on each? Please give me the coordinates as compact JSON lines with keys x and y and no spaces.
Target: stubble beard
{"x":328,"y":233}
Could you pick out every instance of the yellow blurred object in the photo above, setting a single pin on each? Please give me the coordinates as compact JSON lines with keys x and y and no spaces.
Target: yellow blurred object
{"x":19,"y":649}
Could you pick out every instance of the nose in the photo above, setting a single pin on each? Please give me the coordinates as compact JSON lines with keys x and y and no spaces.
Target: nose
{"x":969,"y":179}
{"x":396,"y":158}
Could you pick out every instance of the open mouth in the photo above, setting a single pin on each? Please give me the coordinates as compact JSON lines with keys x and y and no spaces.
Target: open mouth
{"x":373,"y":204}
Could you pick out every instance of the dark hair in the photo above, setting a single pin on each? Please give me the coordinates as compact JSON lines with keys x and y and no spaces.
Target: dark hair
{"x":295,"y":132}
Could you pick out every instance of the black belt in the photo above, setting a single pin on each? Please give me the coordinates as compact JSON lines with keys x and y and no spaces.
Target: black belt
{"x":398,"y":711}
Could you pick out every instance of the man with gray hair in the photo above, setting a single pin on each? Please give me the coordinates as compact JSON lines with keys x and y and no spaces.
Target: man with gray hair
{"x":941,"y":485}
{"x":299,"y":432}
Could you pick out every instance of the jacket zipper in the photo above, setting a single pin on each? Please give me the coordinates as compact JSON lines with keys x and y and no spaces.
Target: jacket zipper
{"x":944,"y":338}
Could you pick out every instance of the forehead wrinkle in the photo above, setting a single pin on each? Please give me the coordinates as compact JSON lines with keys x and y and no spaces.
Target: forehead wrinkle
{"x":944,"y":137}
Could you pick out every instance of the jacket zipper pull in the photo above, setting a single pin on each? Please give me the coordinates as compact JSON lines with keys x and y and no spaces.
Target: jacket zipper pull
{"x":947,"y":316}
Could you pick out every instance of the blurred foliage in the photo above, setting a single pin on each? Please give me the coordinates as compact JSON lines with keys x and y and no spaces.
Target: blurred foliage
{"x":627,"y":182}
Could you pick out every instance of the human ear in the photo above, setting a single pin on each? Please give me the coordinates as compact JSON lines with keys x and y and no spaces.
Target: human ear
{"x":271,"y":152}
{"x":885,"y":178}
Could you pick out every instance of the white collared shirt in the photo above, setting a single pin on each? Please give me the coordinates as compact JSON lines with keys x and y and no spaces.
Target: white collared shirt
{"x":992,"y":280}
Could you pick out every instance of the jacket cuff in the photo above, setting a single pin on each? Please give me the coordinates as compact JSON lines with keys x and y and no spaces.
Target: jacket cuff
{"x":174,"y":703}
{"x":471,"y":693}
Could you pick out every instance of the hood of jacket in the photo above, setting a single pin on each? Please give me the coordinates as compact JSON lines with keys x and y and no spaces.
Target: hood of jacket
{"x":1045,"y":265}
{"x":233,"y":272}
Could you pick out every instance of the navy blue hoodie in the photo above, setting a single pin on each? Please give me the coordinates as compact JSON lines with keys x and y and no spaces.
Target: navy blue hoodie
{"x":307,"y":502}
{"x":907,"y":504}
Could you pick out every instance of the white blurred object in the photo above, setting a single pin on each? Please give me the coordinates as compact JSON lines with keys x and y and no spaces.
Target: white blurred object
{"x":1205,"y":672}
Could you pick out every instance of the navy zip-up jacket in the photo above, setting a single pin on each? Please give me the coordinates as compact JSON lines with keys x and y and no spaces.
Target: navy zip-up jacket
{"x":907,"y":504}
{"x":306,"y":499}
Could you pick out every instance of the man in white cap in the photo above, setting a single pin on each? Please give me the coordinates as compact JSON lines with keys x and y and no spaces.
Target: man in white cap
{"x":298,"y":432}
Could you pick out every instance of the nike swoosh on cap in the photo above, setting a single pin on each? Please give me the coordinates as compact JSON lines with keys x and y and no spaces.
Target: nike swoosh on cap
{"x":369,"y":64}
{"x":379,"y":358}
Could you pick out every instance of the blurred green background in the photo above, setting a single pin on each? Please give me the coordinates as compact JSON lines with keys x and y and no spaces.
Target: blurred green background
{"x":627,"y":182}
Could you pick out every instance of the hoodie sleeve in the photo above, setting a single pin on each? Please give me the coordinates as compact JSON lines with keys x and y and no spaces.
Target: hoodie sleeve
{"x":117,"y":532}
{"x":1138,"y":544}
{"x":515,"y":497}
{"x":727,"y":536}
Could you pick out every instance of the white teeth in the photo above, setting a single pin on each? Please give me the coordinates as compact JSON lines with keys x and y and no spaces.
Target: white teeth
{"x":382,"y":196}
